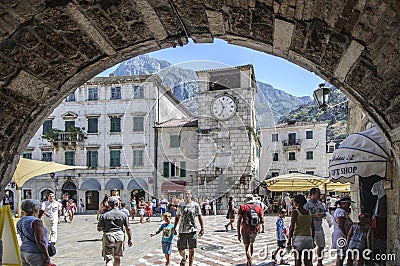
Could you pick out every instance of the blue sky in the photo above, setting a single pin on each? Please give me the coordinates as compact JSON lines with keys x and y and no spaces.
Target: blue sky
{"x":279,"y":73}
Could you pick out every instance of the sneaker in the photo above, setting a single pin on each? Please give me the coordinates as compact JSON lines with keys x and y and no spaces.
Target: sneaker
{"x":226,"y":228}
{"x":284,"y":263}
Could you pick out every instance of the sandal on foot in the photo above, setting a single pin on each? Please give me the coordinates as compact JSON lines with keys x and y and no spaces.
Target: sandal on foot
{"x":183,"y":261}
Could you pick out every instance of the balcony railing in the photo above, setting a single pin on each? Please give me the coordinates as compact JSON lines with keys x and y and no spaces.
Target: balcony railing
{"x":68,"y":137}
{"x":292,"y":143}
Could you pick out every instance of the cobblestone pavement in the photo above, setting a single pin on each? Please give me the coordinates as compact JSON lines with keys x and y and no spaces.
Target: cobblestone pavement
{"x":79,"y":243}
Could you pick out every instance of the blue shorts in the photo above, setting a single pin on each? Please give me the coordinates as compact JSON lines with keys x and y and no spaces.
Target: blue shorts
{"x":166,"y":247}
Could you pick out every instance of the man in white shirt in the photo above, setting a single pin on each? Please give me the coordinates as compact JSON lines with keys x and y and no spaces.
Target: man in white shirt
{"x":51,"y":216}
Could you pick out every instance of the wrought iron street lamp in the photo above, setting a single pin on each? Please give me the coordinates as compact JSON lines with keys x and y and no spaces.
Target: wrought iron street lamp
{"x":55,"y":180}
{"x":321,"y":96}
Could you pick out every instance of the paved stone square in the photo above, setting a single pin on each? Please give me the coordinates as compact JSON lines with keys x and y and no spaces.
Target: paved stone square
{"x":80,"y":244}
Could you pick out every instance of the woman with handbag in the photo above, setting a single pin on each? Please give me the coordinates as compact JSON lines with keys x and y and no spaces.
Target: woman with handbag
{"x":33,"y":235}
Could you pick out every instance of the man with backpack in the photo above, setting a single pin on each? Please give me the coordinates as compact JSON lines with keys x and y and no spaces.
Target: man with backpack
{"x":248,"y":225}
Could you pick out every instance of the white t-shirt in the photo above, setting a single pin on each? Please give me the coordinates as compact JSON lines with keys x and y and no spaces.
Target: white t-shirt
{"x":188,"y":214}
{"x":52,"y":208}
{"x":163,"y":204}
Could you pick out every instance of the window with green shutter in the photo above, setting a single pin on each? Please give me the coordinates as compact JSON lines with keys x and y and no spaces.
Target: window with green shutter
{"x":310,"y":155}
{"x":309,"y":134}
{"x":174,"y":141}
{"x":166,"y":169}
{"x":27,"y":155}
{"x":138,"y":124}
{"x":138,"y":158}
{"x":115,"y":93}
{"x":138,"y":92}
{"x":47,"y":156}
{"x":182,"y":172}
{"x":47,"y":126}
{"x":70,"y":97}
{"x":115,"y":158}
{"x":92,"y":159}
{"x":275,"y":157}
{"x":69,"y":124}
{"x":93,"y":125}
{"x":93,"y":94}
{"x":115,"y":124}
{"x":69,"y":158}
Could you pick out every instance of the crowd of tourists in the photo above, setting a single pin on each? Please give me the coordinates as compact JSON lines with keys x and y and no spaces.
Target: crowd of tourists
{"x":38,"y":227}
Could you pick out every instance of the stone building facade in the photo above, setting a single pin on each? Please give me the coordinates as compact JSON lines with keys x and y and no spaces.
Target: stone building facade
{"x":293,"y":147}
{"x":228,"y":144}
{"x":177,"y":155}
{"x":107,"y":124}
{"x":137,"y":139}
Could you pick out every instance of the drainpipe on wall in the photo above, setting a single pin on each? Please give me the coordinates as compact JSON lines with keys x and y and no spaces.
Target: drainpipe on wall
{"x":155,"y":172}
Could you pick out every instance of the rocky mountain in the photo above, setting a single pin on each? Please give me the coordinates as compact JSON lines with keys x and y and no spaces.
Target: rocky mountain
{"x":271,"y":104}
{"x":335,"y":115}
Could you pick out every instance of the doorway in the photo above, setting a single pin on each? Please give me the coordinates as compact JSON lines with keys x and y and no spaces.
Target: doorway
{"x":69,"y":189}
{"x":92,"y":200}
{"x":138,"y":193}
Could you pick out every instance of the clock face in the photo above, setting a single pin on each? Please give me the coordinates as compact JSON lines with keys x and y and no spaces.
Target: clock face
{"x":223,"y":107}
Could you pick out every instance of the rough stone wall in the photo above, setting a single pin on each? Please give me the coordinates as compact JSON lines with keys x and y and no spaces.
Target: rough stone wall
{"x":358,"y":122}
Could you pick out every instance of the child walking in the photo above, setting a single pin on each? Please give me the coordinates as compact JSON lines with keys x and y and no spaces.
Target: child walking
{"x":359,"y":238}
{"x":280,"y":236}
{"x":167,"y":229}
{"x":149,"y":210}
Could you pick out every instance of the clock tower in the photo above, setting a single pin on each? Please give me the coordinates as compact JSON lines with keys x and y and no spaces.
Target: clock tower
{"x":228,"y":144}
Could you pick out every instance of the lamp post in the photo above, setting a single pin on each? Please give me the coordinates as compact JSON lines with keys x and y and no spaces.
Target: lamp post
{"x":321,"y":96}
{"x":55,"y":180}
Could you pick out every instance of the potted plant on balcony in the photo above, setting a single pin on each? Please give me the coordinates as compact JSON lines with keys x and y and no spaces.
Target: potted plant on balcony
{"x":51,"y":135}
{"x":77,"y":134}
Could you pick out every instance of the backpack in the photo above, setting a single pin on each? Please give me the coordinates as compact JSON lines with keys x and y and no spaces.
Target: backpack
{"x":252,"y":218}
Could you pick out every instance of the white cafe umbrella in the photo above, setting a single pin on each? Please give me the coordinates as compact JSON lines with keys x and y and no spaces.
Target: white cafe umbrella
{"x":364,"y":154}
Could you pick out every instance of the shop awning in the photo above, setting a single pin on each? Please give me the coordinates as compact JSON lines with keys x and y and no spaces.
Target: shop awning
{"x":91,"y":184}
{"x":26,"y":169}
{"x":364,"y":154}
{"x":173,"y":186}
{"x":114,"y":184}
{"x":138,"y":183}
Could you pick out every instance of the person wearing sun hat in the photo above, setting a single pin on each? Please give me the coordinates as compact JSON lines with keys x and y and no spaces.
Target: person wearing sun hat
{"x":341,"y":227}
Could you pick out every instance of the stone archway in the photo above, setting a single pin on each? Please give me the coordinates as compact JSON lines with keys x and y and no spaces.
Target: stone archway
{"x":48,"y":48}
